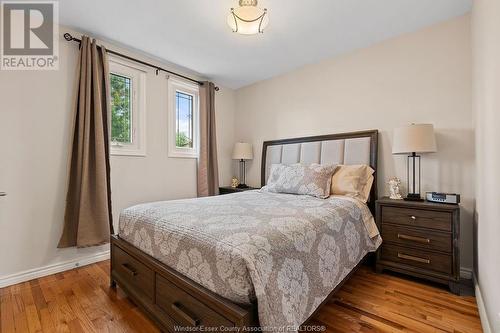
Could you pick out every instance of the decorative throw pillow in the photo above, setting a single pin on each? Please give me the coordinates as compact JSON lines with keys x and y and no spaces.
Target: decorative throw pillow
{"x":353,"y":181}
{"x":312,"y":179}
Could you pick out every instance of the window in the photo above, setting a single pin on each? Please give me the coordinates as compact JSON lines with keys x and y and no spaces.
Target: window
{"x":183,"y":119}
{"x":127,"y":120}
{"x":121,"y":102}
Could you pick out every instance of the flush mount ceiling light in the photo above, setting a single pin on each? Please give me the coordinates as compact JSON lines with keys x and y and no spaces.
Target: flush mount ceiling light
{"x":248,"y":19}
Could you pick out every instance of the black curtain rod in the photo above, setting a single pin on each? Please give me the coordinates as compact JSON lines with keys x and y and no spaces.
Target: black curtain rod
{"x":70,"y":38}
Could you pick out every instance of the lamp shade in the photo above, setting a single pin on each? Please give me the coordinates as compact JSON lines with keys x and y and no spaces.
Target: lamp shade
{"x":242,"y":151}
{"x":414,"y":138}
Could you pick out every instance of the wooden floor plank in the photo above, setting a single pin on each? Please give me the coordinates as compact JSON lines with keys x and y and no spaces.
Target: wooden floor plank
{"x":6,"y":313}
{"x":46,"y":320}
{"x":80,"y":300}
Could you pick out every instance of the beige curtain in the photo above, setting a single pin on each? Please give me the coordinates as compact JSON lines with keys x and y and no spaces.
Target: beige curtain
{"x":208,"y":171}
{"x":87,"y":219}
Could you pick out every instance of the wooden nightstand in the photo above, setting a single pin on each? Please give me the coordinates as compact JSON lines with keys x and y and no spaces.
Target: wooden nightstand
{"x":420,"y":239}
{"x":229,"y":189}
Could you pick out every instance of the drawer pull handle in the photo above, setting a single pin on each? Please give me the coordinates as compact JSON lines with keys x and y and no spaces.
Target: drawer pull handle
{"x":413,"y":258}
{"x":414,"y":239}
{"x":178,"y":308}
{"x":129,"y":269}
{"x":413,"y":217}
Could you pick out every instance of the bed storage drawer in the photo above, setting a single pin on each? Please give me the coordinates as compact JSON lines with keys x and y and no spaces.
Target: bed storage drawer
{"x":183,"y":308}
{"x":132,"y":272}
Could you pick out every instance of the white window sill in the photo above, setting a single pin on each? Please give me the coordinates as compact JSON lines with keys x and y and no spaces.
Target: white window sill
{"x":126,"y":152}
{"x":182,"y":154}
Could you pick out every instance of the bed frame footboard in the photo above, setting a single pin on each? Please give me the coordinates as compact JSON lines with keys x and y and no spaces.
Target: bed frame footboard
{"x":172,"y":300}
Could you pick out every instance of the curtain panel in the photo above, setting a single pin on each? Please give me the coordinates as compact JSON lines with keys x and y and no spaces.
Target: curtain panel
{"x":208,"y":171}
{"x":87,"y":218}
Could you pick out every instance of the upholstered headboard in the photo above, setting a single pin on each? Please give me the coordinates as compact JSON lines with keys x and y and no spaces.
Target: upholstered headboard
{"x":342,"y":148}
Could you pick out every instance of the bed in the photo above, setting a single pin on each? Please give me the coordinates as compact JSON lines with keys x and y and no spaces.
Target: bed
{"x":248,"y":259}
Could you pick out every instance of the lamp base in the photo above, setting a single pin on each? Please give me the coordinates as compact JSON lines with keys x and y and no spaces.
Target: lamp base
{"x":242,"y":186}
{"x":413,"y":197}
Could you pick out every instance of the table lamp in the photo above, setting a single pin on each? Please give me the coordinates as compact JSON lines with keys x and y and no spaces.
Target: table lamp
{"x":413,"y":139}
{"x":242,"y":151}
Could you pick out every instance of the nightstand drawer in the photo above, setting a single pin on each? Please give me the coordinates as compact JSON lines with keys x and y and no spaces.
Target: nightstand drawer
{"x":438,"y":220}
{"x":425,"y":239}
{"x":418,"y":258}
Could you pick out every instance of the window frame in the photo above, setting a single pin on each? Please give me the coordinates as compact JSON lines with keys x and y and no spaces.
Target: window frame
{"x":176,"y":85}
{"x":137,"y":76}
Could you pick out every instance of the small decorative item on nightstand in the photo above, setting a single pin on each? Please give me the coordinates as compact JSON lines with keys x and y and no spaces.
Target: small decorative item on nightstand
{"x":230,"y":189}
{"x":420,"y":239}
{"x":235,"y":182}
{"x":394,"y":184}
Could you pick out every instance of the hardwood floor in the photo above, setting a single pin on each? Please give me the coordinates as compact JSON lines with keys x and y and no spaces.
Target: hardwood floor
{"x":80,"y":300}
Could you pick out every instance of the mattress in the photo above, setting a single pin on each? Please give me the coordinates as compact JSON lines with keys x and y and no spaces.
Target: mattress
{"x":287,"y":252}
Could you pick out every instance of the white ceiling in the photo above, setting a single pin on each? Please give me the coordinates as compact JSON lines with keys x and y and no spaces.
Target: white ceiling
{"x":194,"y":33}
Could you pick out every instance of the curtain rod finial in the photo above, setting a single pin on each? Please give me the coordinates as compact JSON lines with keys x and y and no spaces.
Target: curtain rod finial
{"x":68,"y":37}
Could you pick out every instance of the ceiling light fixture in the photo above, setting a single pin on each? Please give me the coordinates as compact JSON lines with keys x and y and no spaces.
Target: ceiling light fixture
{"x":248,"y":19}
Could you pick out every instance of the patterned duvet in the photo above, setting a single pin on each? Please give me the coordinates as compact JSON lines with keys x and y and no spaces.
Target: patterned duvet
{"x":286,"y":251}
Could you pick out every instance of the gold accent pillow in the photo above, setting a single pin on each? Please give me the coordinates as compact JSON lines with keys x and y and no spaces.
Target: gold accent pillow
{"x":354,"y":181}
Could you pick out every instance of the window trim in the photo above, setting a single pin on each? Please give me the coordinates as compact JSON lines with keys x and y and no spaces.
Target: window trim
{"x":137,"y":75}
{"x":176,"y":85}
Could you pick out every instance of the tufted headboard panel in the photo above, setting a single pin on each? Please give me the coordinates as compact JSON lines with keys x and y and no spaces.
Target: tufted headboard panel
{"x":342,"y":148}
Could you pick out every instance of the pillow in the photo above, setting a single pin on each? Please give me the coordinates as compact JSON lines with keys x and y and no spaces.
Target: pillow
{"x":354,"y":181}
{"x":313,"y":179}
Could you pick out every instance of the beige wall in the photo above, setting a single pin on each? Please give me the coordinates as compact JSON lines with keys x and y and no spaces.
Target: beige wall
{"x":35,"y":129}
{"x":486,"y":53}
{"x":422,"y":77}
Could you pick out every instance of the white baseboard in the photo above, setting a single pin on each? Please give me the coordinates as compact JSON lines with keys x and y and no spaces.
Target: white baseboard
{"x":35,"y":273}
{"x":482,"y":310}
{"x":466,"y":273}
